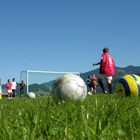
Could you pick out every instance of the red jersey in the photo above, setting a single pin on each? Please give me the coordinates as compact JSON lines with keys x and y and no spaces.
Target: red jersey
{"x":93,"y":78}
{"x":107,"y":65}
{"x":9,"y":85}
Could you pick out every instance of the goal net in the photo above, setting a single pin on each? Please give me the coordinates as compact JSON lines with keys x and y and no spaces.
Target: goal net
{"x":40,"y":82}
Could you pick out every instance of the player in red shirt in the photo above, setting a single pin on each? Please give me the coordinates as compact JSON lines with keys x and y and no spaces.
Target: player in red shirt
{"x":91,"y":83}
{"x":9,"y":88}
{"x":107,"y":70}
{"x":94,"y":83}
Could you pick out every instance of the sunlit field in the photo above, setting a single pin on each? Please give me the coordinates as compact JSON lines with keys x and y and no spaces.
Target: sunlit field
{"x":102,"y":116}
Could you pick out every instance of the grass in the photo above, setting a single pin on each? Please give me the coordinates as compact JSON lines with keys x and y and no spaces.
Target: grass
{"x":99,"y":117}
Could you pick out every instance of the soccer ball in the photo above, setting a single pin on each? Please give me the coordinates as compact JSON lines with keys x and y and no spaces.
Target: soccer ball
{"x":69,"y":87}
{"x":129,"y":85}
{"x":31,"y":95}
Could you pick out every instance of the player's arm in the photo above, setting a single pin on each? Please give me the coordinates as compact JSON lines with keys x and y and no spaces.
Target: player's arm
{"x":97,"y":63}
{"x":103,"y":59}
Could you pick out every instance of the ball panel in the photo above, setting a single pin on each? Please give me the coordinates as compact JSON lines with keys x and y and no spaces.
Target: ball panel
{"x":79,"y":81}
{"x":137,"y":79}
{"x":70,"y":86}
{"x":81,"y":92}
{"x":69,"y":76}
{"x":68,"y":90}
{"x":75,"y":96}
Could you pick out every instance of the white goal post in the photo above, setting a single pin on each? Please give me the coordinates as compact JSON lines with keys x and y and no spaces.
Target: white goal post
{"x":40,"y":82}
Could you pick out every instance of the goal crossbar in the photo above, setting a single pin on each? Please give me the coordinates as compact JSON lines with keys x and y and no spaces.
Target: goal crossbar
{"x":45,"y":72}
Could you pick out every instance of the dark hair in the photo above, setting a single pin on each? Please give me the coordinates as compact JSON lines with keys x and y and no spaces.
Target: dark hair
{"x":105,"y":50}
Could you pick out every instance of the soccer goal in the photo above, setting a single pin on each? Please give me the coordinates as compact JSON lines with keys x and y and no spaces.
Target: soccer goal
{"x":40,"y":82}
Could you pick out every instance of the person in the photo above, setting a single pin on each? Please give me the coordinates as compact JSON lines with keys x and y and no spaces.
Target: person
{"x":14,"y":85}
{"x":94,"y":83}
{"x":9,"y":88}
{"x":91,"y":83}
{"x":21,"y":88}
{"x":107,"y":70}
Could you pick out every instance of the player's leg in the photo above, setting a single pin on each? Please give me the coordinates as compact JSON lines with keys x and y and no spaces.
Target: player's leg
{"x":8,"y":93}
{"x":109,"y":83}
{"x":100,"y":78}
{"x":13,"y":92}
{"x":20,"y":92}
{"x":94,"y":89}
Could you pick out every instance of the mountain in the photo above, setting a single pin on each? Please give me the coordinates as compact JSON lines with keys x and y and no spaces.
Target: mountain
{"x":45,"y":88}
{"x":120,"y":72}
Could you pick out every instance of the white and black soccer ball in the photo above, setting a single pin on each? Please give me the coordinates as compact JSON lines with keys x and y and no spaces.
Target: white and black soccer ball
{"x":31,"y":95}
{"x":69,"y":87}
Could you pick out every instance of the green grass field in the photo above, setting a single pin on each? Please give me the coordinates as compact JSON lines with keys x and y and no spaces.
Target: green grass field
{"x":98,"y":117}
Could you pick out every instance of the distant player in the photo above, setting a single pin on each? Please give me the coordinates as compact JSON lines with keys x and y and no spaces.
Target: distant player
{"x":94,"y":83}
{"x":14,"y":86}
{"x":91,"y":83}
{"x":22,"y":85}
{"x":107,"y":70}
{"x":9,"y":88}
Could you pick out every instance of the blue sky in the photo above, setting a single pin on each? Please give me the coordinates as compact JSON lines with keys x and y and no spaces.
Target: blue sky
{"x":67,"y":35}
